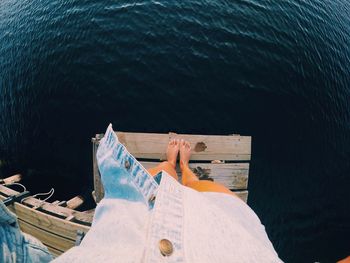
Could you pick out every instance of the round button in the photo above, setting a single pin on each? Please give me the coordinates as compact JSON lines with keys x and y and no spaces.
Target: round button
{"x":127,"y":164}
{"x":166,"y":247}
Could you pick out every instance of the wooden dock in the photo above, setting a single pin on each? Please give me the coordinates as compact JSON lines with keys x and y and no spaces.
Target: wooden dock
{"x":223,"y":159}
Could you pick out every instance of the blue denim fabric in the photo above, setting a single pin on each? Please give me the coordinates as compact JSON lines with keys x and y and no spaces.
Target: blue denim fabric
{"x":123,"y":177}
{"x":17,"y":246}
{"x":134,"y":215}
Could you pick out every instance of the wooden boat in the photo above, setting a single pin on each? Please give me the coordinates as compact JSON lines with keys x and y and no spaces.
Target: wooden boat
{"x":223,"y":159}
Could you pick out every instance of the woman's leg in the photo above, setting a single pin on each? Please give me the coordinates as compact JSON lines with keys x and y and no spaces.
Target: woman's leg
{"x":202,"y":185}
{"x":345,"y":260}
{"x":189,"y":179}
{"x":169,"y":165}
{"x":164,"y":166}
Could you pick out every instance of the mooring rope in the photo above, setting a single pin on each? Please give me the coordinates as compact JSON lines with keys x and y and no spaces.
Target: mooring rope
{"x":50,"y":193}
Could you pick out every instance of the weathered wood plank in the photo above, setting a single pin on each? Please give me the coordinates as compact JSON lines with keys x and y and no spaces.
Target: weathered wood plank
{"x":55,"y":252}
{"x":243,"y":195}
{"x":47,"y":238}
{"x":218,"y":147}
{"x":232,"y":175}
{"x":54,"y":209}
{"x":93,"y":194}
{"x":204,"y":147}
{"x":47,"y":222}
{"x":75,"y":202}
{"x":12,"y":179}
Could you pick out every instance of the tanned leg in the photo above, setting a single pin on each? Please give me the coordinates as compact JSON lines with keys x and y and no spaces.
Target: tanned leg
{"x":345,"y":260}
{"x":191,"y":180}
{"x":185,"y":153}
{"x":169,"y":165}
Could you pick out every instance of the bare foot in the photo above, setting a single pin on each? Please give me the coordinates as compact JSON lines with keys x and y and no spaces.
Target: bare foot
{"x":185,"y":153}
{"x":172,"y":151}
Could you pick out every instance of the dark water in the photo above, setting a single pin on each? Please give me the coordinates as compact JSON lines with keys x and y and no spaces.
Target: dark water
{"x":276,"y":70}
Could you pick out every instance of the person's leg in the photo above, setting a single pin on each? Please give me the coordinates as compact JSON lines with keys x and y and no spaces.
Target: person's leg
{"x":164,"y":166}
{"x":202,"y":185}
{"x":169,"y":165}
{"x":345,"y":260}
{"x":189,"y":179}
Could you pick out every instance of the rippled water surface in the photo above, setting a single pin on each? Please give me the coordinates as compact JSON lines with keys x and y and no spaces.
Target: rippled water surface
{"x":276,"y":70}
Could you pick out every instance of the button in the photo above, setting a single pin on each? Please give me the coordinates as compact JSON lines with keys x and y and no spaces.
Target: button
{"x":152,"y":198}
{"x":127,"y":164}
{"x":166,"y":247}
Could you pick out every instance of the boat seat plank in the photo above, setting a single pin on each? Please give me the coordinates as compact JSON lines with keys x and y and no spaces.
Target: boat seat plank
{"x":75,"y":202}
{"x":232,"y":175}
{"x":204,"y":147}
{"x":63,"y":212}
{"x":47,"y":238}
{"x":243,"y":195}
{"x":55,"y":252}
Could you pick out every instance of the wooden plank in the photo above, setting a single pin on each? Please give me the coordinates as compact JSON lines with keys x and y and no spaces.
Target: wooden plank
{"x":150,"y":164}
{"x":232,"y":175}
{"x":90,"y":211}
{"x":218,"y":147}
{"x":47,"y":222}
{"x":81,"y":217}
{"x":12,"y":179}
{"x":55,"y":252}
{"x":93,"y":194}
{"x":50,"y":223}
{"x":47,"y":238}
{"x":204,"y":147}
{"x":243,"y":195}
{"x":75,"y":202}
